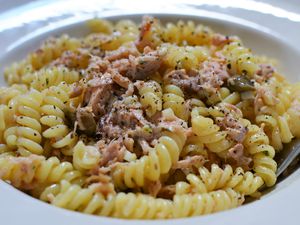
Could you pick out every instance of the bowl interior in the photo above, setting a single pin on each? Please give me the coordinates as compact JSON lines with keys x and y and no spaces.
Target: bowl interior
{"x":261,"y":40}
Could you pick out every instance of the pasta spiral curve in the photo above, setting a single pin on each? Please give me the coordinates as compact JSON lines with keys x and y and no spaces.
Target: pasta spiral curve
{"x":52,"y":76}
{"x":274,"y":100}
{"x":173,"y":98}
{"x":151,"y":97}
{"x":53,"y":107}
{"x":26,"y":135}
{"x":257,"y":144}
{"x":240,"y":59}
{"x":8,"y":93}
{"x":121,"y":205}
{"x":193,"y":34}
{"x":208,"y":133}
{"x":184,"y":57}
{"x":85,"y":157}
{"x":50,"y":50}
{"x":159,"y":161}
{"x":31,"y":171}
{"x":200,"y":204}
{"x":243,"y":182}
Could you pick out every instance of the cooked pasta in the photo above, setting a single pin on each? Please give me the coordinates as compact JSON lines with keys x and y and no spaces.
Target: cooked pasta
{"x":200,"y":204}
{"x":52,"y":108}
{"x":29,"y":172}
{"x":46,"y":78}
{"x":240,"y":59}
{"x":145,"y":121}
{"x":49,"y":51}
{"x":159,"y":161}
{"x":209,"y":133}
{"x":257,"y":143}
{"x":26,"y":135}
{"x":151,"y":95}
{"x":243,"y":182}
{"x":173,"y":98}
{"x":85,"y":157}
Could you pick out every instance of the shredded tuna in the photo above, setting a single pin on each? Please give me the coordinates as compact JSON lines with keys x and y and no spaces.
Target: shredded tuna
{"x":76,"y":91}
{"x":142,"y":42}
{"x":111,"y":153}
{"x":126,"y":120}
{"x":266,"y":71}
{"x":220,"y":40}
{"x":122,"y":81}
{"x":190,"y":85}
{"x":213,"y":74}
{"x":237,"y":153}
{"x":167,"y":191}
{"x":209,"y":79}
{"x":99,"y":93}
{"x":189,"y":164}
{"x":231,"y":123}
{"x":97,"y":66}
{"x":143,"y":66}
{"x":122,"y":52}
{"x":153,"y":187}
{"x":264,"y":97}
{"x":78,"y":59}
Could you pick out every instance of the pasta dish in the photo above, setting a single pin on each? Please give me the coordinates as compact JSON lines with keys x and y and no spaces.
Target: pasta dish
{"x":145,"y":121}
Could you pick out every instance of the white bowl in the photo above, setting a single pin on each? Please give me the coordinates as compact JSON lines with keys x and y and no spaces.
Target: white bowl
{"x":278,"y":207}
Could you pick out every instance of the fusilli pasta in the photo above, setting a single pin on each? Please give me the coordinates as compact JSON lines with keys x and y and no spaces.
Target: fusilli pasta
{"x":145,"y":121}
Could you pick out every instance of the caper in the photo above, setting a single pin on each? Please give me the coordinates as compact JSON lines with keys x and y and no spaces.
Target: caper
{"x":240,"y":84}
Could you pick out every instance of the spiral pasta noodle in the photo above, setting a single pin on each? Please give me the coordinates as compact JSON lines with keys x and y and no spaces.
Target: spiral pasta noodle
{"x":243,"y":182}
{"x":193,"y":146}
{"x":85,"y":157}
{"x":240,"y":59}
{"x":8,"y":93}
{"x":257,"y":143}
{"x":50,"y":50}
{"x":26,"y":135}
{"x":208,"y":133}
{"x":275,"y":98}
{"x":199,"y":204}
{"x":159,"y":161}
{"x":193,"y":34}
{"x":124,"y":205}
{"x":279,"y":130}
{"x":46,"y":78}
{"x":52,"y":108}
{"x":29,"y":172}
{"x":173,"y":98}
{"x":184,"y":57}
{"x":88,"y":200}
{"x":151,"y":97}
{"x":293,"y":112}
